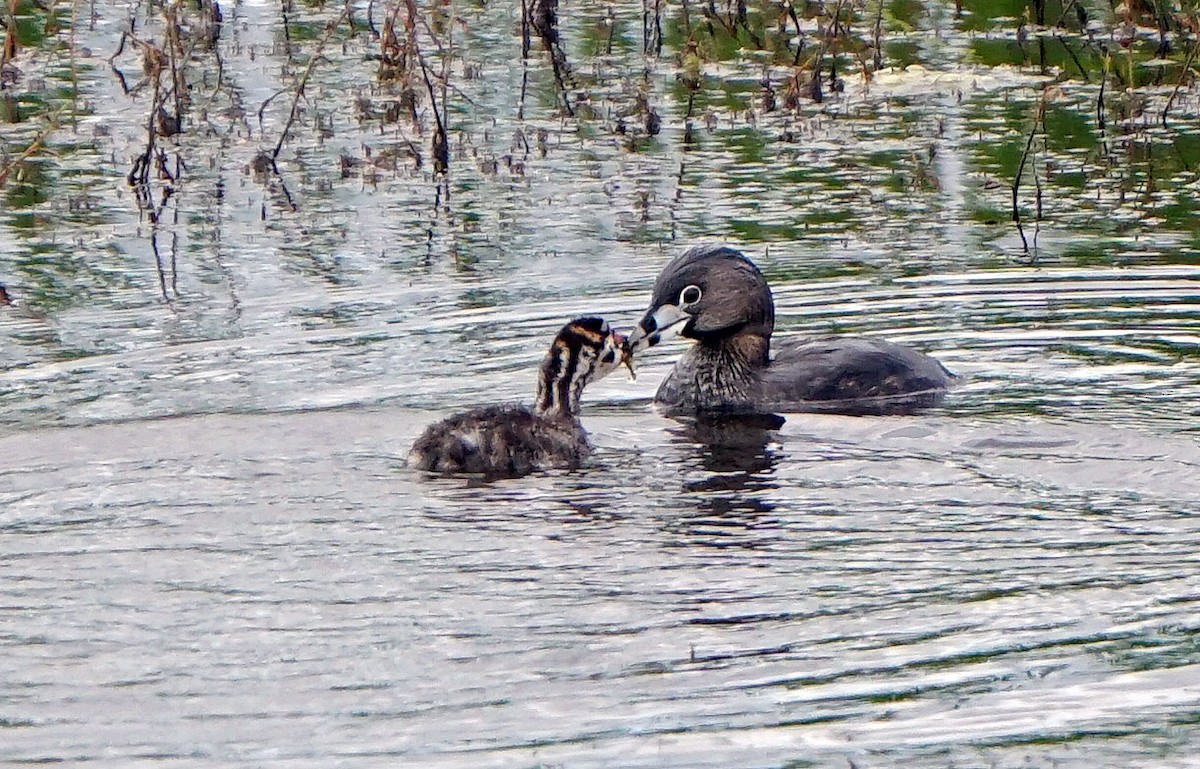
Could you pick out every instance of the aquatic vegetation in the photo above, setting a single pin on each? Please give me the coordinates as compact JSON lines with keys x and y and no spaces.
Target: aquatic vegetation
{"x":437,"y":89}
{"x":768,"y":120}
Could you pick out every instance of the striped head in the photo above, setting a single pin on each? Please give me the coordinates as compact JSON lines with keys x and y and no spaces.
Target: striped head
{"x":586,"y":349}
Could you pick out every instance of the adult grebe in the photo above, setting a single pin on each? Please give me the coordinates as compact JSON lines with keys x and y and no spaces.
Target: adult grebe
{"x":717,"y":297}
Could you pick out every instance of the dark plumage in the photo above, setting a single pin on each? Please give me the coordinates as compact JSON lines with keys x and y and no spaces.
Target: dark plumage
{"x":717,"y":297}
{"x":509,"y":441}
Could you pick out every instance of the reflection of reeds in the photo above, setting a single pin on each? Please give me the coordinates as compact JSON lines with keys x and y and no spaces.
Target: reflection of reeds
{"x":652,"y":33}
{"x":165,"y":76}
{"x":1183,"y":74}
{"x":9,"y":50}
{"x":159,"y":168}
{"x":34,"y":147}
{"x":542,"y":17}
{"x":298,"y":90}
{"x":798,"y":53}
{"x":402,"y":59}
{"x":1039,"y":126}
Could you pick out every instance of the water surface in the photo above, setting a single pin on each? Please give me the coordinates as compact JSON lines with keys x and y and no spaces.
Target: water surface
{"x":212,"y":552}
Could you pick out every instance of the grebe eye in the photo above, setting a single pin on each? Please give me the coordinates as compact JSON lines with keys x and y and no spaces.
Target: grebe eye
{"x":690,"y":296}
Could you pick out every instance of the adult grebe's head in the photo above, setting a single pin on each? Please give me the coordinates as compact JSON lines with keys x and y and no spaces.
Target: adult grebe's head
{"x":585,"y":350}
{"x":707,"y":293}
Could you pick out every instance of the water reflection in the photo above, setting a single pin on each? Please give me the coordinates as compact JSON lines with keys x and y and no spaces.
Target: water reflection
{"x":741,"y":446}
{"x":728,"y":494}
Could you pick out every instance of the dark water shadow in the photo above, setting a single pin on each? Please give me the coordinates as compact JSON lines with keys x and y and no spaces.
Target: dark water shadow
{"x":731,"y":503}
{"x":738,"y":447}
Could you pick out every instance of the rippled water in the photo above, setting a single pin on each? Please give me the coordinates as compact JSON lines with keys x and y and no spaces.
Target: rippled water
{"x":211,"y":551}
{"x":278,"y":589}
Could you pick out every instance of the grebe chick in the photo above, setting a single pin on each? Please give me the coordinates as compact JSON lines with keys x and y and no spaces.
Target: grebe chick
{"x":510,"y":441}
{"x":717,"y":297}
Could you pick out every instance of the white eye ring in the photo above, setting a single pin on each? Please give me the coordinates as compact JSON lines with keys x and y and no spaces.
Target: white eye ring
{"x":690,"y":295}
